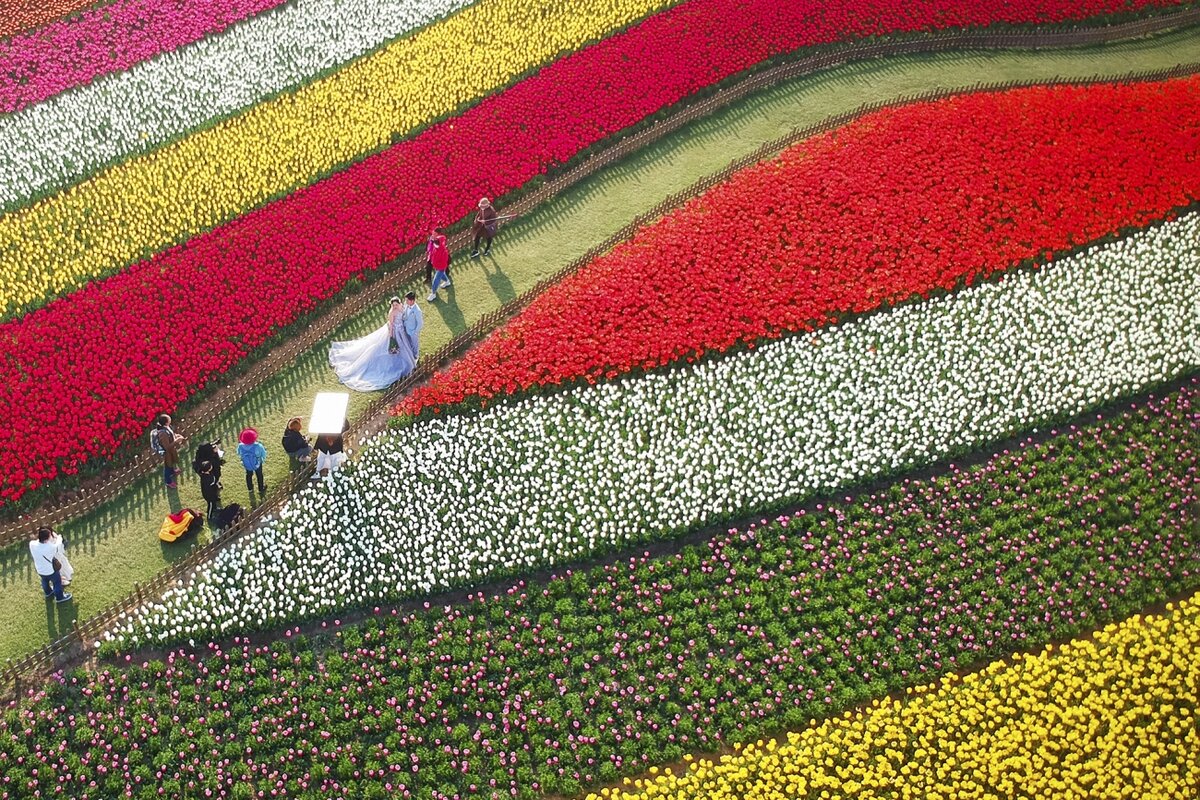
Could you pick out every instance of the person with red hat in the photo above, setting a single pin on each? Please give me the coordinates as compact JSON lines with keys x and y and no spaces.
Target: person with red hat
{"x":253,"y":454}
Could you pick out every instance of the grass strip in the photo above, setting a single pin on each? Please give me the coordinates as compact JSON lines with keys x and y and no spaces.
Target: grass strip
{"x":117,"y":546}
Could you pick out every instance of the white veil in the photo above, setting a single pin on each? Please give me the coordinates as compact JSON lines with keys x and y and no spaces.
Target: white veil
{"x":365,"y":364}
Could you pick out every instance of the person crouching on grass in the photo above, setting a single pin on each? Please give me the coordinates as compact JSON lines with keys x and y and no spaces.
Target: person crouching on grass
{"x":295,"y":443}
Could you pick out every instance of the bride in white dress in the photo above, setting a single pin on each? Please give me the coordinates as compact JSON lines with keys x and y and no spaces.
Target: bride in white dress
{"x":66,"y":571}
{"x":382,"y":357}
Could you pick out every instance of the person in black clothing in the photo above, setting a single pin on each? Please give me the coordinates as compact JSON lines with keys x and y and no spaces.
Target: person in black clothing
{"x":295,"y":444}
{"x":212,"y":453}
{"x":210,"y":488}
{"x":330,"y":452}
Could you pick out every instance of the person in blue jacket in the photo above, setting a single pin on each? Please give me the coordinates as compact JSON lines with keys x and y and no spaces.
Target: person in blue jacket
{"x":253,"y":454}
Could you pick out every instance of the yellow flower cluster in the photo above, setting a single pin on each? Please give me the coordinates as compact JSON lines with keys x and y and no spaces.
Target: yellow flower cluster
{"x":1111,"y":717}
{"x":215,"y":175}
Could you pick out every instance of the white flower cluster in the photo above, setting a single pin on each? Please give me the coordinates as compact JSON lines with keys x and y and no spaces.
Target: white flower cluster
{"x":548,"y":479}
{"x":54,"y":144}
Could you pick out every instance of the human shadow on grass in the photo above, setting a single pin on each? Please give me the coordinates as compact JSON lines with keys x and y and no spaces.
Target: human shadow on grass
{"x":174,"y":551}
{"x":498,"y":280}
{"x":16,"y":568}
{"x":134,"y":504}
{"x":60,"y":618}
{"x":447,"y":308}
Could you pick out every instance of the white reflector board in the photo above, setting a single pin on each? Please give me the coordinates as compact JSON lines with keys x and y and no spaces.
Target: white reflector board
{"x":329,"y":412}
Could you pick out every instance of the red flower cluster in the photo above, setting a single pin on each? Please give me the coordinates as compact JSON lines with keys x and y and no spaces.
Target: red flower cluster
{"x":899,"y":203}
{"x":75,"y":51}
{"x":90,"y":370}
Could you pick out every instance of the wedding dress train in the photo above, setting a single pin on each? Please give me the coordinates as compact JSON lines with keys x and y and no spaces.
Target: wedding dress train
{"x":366,"y":365}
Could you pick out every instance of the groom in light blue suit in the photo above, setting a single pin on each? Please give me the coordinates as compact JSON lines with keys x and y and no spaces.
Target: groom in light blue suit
{"x":414,"y":320}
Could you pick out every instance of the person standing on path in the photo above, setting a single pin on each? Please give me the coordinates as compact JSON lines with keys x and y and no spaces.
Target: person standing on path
{"x":166,"y":442}
{"x":439,"y":259}
{"x":436,"y":232}
{"x":484,"y":226}
{"x":45,"y":561}
{"x":253,"y":454}
{"x":413,"y":319}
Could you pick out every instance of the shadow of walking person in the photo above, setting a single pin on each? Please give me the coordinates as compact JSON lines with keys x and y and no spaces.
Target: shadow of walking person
{"x":498,"y":281}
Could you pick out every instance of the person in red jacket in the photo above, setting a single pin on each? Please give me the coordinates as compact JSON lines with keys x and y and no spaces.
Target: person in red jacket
{"x":439,"y":259}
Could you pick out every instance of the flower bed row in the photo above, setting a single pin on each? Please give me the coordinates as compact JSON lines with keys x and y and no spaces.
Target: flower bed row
{"x":21,"y":15}
{"x":594,"y":674}
{"x":824,"y":230}
{"x":38,"y":64}
{"x":77,"y":134}
{"x":541,"y":481}
{"x":279,"y":145}
{"x":161,"y":346}
{"x":63,"y":141}
{"x":164,"y":197}
{"x":1114,"y":716}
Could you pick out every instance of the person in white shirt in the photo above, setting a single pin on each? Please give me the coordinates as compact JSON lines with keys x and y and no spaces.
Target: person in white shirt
{"x":45,"y":556}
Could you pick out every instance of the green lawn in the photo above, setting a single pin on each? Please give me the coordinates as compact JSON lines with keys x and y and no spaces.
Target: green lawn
{"x":117,"y":546}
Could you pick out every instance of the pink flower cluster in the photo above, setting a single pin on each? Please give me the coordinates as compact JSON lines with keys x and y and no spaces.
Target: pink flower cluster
{"x":39,"y":64}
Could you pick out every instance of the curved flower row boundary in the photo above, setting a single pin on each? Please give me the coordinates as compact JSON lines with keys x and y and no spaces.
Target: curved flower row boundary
{"x":864,"y":216}
{"x":545,"y":480}
{"x":1110,"y":716}
{"x":161,"y":347}
{"x":64,"y":140}
{"x":189,"y":186}
{"x":722,"y":642}
{"x":36,"y":65}
{"x":167,"y":196}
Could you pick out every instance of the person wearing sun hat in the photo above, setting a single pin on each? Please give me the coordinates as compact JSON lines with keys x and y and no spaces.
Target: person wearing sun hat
{"x":484,"y":226}
{"x":253,"y":454}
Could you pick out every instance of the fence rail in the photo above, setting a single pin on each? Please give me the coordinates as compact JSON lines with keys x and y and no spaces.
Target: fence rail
{"x":75,"y":644}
